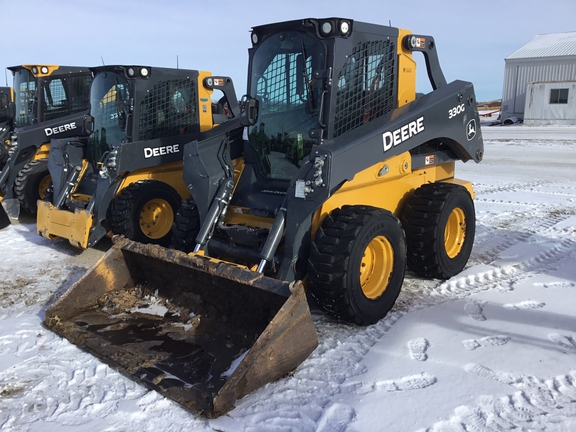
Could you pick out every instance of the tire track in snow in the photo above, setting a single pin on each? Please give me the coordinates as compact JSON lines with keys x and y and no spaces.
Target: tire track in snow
{"x":63,"y":386}
{"x":485,"y":189}
{"x":537,"y":404}
{"x":325,"y":374}
{"x":331,"y":369}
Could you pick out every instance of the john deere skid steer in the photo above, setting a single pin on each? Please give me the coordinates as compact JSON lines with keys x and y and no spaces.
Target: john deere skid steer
{"x":49,"y":102}
{"x":348,"y":178}
{"x":6,"y":123}
{"x":6,"y":128}
{"x":125,"y":176}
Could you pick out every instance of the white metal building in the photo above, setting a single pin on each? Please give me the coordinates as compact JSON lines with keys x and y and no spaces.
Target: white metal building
{"x":544,"y":69}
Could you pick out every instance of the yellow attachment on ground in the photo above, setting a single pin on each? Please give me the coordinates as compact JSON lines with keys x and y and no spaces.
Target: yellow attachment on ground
{"x":53,"y":223}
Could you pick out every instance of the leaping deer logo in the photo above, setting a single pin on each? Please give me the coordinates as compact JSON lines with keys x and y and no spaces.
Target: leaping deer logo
{"x":471,"y":129}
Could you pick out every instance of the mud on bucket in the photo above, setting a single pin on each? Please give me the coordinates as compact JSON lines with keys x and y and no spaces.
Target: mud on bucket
{"x":200,"y":332}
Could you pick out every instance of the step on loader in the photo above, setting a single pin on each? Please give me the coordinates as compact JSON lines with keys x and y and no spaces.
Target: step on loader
{"x":124,"y":175}
{"x":49,"y":102}
{"x":348,"y":178}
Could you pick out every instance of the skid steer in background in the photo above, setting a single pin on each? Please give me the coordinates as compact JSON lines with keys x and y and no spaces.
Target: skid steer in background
{"x":348,"y":178}
{"x":126,"y":175}
{"x":6,"y":128}
{"x":6,"y":124}
{"x":49,"y":102}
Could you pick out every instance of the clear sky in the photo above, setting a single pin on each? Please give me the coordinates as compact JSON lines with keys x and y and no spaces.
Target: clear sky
{"x":472,"y":38}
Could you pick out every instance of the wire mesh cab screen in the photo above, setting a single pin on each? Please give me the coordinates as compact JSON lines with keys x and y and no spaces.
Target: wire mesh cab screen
{"x":64,"y":95}
{"x":365,"y":85}
{"x":169,"y":109}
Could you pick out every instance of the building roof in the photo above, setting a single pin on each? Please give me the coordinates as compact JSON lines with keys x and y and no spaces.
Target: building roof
{"x":547,"y":45}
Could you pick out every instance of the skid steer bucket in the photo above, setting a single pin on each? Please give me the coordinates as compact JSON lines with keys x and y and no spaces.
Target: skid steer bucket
{"x":201,"y":332}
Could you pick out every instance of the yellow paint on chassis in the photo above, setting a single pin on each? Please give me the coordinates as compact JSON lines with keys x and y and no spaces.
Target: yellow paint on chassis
{"x":53,"y":223}
{"x":387,"y":185}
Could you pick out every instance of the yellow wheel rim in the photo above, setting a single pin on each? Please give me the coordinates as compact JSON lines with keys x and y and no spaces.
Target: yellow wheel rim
{"x":156,"y":218}
{"x":376,"y":267}
{"x":455,"y":232}
{"x":44,"y":185}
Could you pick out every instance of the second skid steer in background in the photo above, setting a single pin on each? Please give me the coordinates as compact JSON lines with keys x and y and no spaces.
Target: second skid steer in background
{"x":6,"y":123}
{"x":49,"y":102}
{"x":6,"y":128}
{"x":125,"y":175}
{"x":348,"y":178}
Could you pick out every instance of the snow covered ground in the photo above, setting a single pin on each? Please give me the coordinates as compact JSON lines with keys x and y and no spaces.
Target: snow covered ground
{"x":491,"y":349}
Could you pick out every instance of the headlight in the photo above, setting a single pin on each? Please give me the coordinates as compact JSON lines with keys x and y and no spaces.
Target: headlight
{"x":344,"y":28}
{"x":326,"y":28}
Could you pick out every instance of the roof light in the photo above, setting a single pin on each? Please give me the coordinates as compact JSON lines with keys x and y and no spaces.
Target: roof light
{"x":326,"y":28}
{"x":131,"y":72}
{"x":144,"y":72}
{"x":34,"y":70}
{"x":344,"y":28}
{"x":254,"y":38}
{"x":44,"y":69}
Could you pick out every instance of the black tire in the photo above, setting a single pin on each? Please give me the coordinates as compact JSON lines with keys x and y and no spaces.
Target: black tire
{"x":186,"y":226}
{"x":144,"y":211}
{"x":31,"y":184}
{"x":440,"y":222}
{"x":350,"y":239}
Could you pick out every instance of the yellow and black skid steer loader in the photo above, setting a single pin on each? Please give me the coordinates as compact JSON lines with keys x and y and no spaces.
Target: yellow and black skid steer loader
{"x":6,"y":123}
{"x":348,"y":178}
{"x":125,"y":175}
{"x":50,"y":101}
{"x":6,"y":128}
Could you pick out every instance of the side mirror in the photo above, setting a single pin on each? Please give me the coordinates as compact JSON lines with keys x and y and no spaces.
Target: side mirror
{"x":249,"y":108}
